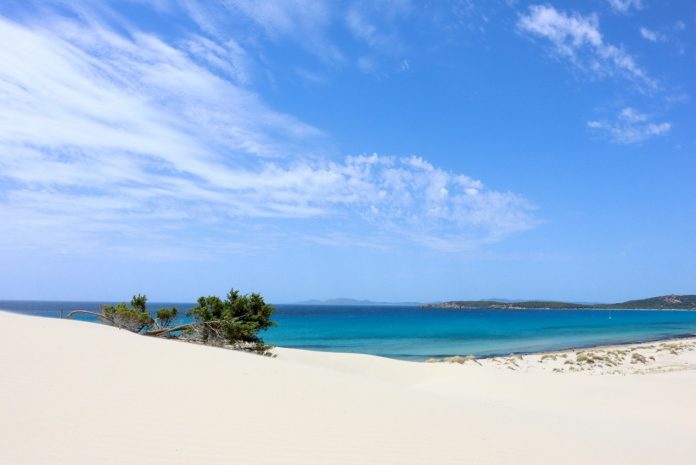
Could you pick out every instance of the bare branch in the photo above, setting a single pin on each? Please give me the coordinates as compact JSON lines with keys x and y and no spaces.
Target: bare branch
{"x":210,"y":325}
{"x":163,"y":331}
{"x":88,"y":312}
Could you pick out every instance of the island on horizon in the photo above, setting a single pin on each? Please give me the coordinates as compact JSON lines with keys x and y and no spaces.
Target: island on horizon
{"x":665,"y":302}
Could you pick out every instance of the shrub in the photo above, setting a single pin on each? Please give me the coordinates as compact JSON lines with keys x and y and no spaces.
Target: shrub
{"x":235,"y":321}
{"x":165,"y":316}
{"x":133,"y":318}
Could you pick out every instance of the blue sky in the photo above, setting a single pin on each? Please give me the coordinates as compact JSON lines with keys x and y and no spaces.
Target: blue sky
{"x":389,"y":150}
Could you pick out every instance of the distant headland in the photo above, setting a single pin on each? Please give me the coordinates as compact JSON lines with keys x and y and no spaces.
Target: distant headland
{"x":665,"y":302}
{"x":347,"y":301}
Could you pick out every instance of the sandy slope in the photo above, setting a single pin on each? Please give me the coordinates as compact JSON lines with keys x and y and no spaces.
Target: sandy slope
{"x":80,"y":393}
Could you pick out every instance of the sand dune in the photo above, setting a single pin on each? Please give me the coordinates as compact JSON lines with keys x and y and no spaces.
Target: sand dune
{"x":81,"y":393}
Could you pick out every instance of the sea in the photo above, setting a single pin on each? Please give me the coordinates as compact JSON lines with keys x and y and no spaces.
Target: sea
{"x":415,"y":333}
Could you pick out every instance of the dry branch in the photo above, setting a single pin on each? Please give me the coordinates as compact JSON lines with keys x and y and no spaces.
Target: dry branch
{"x":88,"y":312}
{"x":163,"y":331}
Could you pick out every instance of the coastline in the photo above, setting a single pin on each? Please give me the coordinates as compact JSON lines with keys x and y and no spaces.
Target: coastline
{"x":691,"y":337}
{"x":658,"y":355}
{"x":601,"y":309}
{"x":445,"y":357}
{"x":80,"y":393}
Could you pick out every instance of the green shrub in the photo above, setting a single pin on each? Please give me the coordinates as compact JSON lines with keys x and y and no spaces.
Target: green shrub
{"x":133,"y":317}
{"x":235,"y":321}
{"x":165,"y":316}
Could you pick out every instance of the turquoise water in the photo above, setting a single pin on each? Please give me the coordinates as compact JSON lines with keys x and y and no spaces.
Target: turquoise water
{"x":414,"y":333}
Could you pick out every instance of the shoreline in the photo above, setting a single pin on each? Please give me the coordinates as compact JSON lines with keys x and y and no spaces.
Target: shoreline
{"x":656,"y":356}
{"x":443,"y":357}
{"x":514,"y":360}
{"x":689,"y":336}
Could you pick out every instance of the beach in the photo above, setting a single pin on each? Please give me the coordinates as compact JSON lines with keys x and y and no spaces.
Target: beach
{"x":82,"y":393}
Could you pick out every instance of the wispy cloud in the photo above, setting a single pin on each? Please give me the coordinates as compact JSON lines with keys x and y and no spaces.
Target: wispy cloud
{"x":374,"y":24}
{"x":630,"y":126}
{"x":303,"y":21}
{"x":361,"y":20}
{"x":578,"y":39}
{"x":111,"y":139}
{"x":625,"y":6}
{"x":652,"y":36}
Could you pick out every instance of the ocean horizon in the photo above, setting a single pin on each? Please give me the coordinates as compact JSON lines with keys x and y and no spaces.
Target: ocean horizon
{"x":414,"y":333}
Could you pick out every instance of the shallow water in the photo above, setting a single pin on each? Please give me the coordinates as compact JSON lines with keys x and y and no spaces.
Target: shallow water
{"x":409,"y":332}
{"x":416,"y":333}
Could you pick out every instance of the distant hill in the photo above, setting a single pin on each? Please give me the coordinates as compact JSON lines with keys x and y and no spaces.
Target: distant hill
{"x":665,"y":302}
{"x":347,"y":301}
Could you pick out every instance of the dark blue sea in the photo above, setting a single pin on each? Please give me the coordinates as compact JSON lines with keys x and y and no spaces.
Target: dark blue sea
{"x":414,"y":333}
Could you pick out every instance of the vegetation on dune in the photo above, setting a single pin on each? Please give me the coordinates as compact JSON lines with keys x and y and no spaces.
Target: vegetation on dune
{"x":233,"y":322}
{"x":133,"y":317}
{"x":166,"y":316}
{"x":236,"y":320}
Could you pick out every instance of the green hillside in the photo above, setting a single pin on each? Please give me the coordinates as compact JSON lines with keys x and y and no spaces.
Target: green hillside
{"x":667,"y":302}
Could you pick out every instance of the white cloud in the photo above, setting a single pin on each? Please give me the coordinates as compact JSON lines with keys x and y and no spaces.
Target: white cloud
{"x":309,"y":24}
{"x":362,"y":17}
{"x":311,"y":76}
{"x":109,"y":140}
{"x":630,"y":126}
{"x":305,"y":23}
{"x":374,"y":24}
{"x":360,"y":27}
{"x":287,"y":17}
{"x":632,"y":116}
{"x":652,"y":36}
{"x":625,"y":6}
{"x":227,"y":57}
{"x":578,"y":39}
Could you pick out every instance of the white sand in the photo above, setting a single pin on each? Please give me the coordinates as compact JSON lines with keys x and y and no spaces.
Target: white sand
{"x":81,"y":393}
